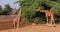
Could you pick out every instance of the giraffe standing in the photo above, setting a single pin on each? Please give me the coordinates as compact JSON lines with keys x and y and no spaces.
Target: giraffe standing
{"x":17,"y":18}
{"x":48,"y":14}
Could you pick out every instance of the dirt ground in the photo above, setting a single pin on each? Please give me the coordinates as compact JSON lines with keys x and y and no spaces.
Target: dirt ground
{"x":8,"y":27}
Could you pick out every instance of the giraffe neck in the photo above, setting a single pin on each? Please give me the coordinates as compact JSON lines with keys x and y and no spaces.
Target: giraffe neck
{"x":43,"y":10}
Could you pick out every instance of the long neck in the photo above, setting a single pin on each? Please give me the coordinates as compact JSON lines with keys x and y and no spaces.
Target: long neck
{"x":19,"y":13}
{"x":44,"y":11}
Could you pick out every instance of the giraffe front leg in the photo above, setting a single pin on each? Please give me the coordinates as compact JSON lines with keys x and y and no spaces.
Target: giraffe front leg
{"x":47,"y":20}
{"x":51,"y":21}
{"x":18,"y":23}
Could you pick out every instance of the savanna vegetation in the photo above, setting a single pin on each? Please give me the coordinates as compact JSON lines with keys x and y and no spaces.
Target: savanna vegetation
{"x":29,"y":7}
{"x":5,"y":11}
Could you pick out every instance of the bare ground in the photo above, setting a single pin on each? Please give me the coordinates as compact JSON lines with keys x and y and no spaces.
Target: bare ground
{"x":8,"y":27}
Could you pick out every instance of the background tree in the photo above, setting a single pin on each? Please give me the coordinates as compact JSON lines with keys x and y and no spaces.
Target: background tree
{"x":0,"y":10}
{"x":7,"y":10}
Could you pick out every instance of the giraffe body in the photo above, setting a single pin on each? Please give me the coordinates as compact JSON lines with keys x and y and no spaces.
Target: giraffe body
{"x":17,"y":18}
{"x":48,"y":14}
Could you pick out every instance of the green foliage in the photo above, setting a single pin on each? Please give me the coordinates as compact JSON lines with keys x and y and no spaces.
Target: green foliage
{"x":29,"y":7}
{"x":55,"y":6}
{"x":56,"y":10}
{"x":25,"y":21}
{"x":0,"y":10}
{"x":58,"y":1}
{"x":7,"y":10}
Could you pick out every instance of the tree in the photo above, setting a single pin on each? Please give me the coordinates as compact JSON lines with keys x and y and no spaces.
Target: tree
{"x":55,"y":7}
{"x":0,"y":10}
{"x":7,"y":10}
{"x":29,"y":7}
{"x":58,"y":1}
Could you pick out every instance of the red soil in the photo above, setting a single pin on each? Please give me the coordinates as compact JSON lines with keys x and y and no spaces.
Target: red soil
{"x":8,"y":27}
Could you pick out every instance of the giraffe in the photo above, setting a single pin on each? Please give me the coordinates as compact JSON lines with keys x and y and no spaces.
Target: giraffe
{"x":48,"y":14}
{"x":17,"y":19}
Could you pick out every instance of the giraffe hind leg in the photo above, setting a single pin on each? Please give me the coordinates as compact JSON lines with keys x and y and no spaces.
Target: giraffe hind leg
{"x":14,"y":22}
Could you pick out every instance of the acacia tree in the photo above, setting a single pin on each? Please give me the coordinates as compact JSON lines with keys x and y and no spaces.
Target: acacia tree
{"x":29,"y":7}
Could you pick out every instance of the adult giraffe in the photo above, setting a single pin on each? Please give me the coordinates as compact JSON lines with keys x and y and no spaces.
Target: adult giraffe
{"x":17,"y":18}
{"x":14,"y":18}
{"x":48,"y":14}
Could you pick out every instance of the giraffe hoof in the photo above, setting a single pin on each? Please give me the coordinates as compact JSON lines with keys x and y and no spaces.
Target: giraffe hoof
{"x":46,"y":23}
{"x":54,"y":26}
{"x":50,"y":25}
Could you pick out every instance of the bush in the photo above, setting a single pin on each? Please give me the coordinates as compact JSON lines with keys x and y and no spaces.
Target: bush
{"x":29,"y":8}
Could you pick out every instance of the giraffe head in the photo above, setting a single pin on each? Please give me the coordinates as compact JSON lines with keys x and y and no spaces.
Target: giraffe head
{"x":43,"y":10}
{"x":37,"y":9}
